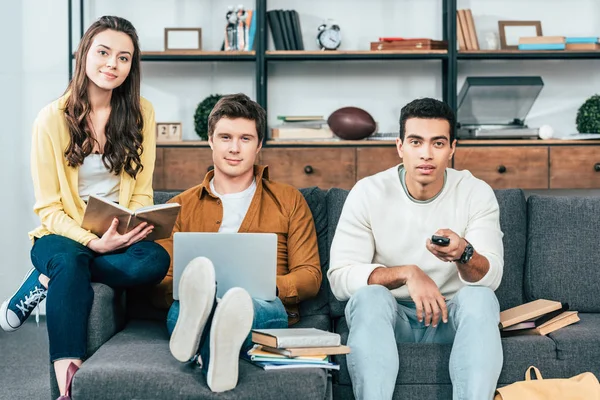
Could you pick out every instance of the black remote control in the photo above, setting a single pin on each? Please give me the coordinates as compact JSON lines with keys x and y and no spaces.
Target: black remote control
{"x":440,"y":240}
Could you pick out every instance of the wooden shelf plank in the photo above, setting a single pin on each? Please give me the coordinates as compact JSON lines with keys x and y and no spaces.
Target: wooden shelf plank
{"x":340,"y":142}
{"x":198,"y":53}
{"x":317,"y":52}
{"x":184,"y":143}
{"x":278,"y":55}
{"x":523,"y":54}
{"x":539,"y":142}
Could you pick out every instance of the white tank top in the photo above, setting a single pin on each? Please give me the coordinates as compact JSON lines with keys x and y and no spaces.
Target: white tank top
{"x":95,"y":178}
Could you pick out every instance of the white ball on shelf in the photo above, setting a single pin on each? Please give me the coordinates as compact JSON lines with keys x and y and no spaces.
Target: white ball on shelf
{"x":545,"y":132}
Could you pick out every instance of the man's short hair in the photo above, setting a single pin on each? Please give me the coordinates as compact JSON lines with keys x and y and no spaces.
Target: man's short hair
{"x":427,"y":108}
{"x":238,"y":106}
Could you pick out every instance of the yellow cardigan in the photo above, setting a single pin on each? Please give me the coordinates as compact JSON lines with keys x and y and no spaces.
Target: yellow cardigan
{"x":55,"y":184}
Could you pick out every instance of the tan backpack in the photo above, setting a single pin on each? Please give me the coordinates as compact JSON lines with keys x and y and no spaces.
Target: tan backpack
{"x":581,"y":387}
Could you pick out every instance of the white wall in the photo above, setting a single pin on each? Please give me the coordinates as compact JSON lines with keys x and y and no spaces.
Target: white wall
{"x":13,"y":239}
{"x":35,"y":72}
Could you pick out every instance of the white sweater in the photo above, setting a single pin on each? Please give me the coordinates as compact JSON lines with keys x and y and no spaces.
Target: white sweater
{"x":381,"y":226}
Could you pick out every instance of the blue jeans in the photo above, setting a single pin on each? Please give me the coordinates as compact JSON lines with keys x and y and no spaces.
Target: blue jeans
{"x":71,"y":268}
{"x":267,"y":315}
{"x":378,"y":322}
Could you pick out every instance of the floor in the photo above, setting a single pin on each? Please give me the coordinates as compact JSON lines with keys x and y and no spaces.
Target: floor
{"x":24,"y":372}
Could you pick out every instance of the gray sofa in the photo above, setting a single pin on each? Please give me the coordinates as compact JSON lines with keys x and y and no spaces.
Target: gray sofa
{"x":550,"y":249}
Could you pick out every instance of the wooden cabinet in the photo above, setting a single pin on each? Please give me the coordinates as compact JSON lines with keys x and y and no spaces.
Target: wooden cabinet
{"x":506,"y":167}
{"x":575,"y":167}
{"x":183,"y":168}
{"x":304,"y":167}
{"x":371,"y":160}
{"x":525,"y":164}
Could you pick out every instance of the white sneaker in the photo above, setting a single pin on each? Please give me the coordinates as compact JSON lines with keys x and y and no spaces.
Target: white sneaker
{"x":230,"y":326}
{"x":196,"y":298}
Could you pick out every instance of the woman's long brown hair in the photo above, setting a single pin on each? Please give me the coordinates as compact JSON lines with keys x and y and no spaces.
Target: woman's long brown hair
{"x":125,"y":124}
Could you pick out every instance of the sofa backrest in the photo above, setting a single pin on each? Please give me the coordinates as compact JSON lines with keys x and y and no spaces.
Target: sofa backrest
{"x":513,"y":223}
{"x":563,"y":262}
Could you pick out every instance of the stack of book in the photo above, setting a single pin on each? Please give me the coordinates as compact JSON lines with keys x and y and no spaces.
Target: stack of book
{"x":539,"y":317}
{"x":559,"y":43}
{"x":285,"y":29}
{"x":542,"y":43}
{"x":295,"y":348}
{"x":589,"y":43}
{"x":295,"y":127}
{"x":465,"y":30}
{"x":408,"y":44}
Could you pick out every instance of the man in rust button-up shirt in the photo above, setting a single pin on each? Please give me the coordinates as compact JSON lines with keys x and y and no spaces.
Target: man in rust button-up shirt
{"x":275,"y":208}
{"x":237,"y":196}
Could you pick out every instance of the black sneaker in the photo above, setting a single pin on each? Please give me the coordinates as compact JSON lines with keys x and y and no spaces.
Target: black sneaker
{"x":18,"y":308}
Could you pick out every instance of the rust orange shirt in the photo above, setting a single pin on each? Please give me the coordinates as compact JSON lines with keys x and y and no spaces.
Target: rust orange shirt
{"x":275,"y":208}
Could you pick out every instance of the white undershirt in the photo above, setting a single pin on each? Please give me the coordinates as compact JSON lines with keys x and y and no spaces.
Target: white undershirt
{"x":96,"y":179}
{"x":235,"y":207}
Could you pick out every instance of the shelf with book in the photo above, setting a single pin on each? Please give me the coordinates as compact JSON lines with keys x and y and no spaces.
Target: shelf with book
{"x":527,"y":55}
{"x":197,"y":55}
{"x":340,"y":55}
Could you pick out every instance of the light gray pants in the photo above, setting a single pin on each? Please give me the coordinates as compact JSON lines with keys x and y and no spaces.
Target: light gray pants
{"x":378,"y":322}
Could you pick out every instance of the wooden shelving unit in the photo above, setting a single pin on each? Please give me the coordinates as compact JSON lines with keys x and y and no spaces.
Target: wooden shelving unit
{"x":528,"y":164}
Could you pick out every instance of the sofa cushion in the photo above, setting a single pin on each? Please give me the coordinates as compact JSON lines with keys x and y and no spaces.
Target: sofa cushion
{"x":513,"y":223}
{"x":315,"y":198}
{"x":563,"y":262}
{"x":578,"y":345}
{"x":136,"y":363}
{"x":427,"y":364}
{"x":335,"y":203}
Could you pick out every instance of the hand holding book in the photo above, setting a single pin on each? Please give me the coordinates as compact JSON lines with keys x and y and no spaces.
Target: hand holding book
{"x":111,"y":240}
{"x":146,"y":223}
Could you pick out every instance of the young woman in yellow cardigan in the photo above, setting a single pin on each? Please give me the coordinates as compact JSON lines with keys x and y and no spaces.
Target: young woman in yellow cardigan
{"x":97,"y":139}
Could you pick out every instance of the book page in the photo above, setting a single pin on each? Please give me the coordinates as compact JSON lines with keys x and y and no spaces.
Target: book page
{"x":163,"y":219}
{"x":144,"y":209}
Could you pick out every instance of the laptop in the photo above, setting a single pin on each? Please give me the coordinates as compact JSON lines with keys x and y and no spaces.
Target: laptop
{"x":246,"y":260}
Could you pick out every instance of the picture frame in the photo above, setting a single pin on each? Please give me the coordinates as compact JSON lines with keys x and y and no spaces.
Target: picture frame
{"x":177,"y":39}
{"x":168,"y":132}
{"x":511,"y":31}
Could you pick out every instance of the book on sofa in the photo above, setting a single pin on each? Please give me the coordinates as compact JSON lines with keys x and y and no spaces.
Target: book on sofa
{"x":100,"y":212}
{"x":527,"y":312}
{"x":565,"y":318}
{"x":295,"y":337}
{"x":268,"y":360}
{"x":537,"y":321}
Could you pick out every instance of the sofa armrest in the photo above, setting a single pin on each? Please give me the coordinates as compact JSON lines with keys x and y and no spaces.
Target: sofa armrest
{"x":107,"y":317}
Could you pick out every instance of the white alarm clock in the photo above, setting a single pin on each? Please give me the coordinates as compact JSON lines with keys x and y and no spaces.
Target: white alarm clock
{"x":329,"y":36}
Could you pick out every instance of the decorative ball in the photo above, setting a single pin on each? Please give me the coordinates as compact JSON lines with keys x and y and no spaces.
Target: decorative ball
{"x":588,"y":116}
{"x":201,"y":115}
{"x":352,"y":123}
{"x":545,"y":132}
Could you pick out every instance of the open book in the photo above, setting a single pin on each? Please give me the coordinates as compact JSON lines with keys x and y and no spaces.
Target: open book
{"x":100,"y":212}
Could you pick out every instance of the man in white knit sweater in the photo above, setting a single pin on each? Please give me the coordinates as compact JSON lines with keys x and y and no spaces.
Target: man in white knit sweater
{"x":404,"y":288}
